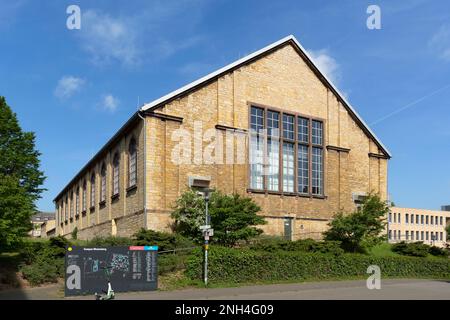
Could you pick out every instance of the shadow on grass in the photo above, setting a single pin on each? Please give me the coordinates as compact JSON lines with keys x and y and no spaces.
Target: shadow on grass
{"x":10,"y":284}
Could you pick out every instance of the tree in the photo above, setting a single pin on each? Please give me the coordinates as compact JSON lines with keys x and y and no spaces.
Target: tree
{"x":361,"y":229}
{"x":233,"y":217}
{"x":20,"y":178}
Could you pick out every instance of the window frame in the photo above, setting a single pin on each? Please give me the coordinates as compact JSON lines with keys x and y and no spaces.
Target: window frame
{"x":103,"y":183}
{"x":116,"y":156}
{"x":132,"y":141}
{"x":296,"y":142}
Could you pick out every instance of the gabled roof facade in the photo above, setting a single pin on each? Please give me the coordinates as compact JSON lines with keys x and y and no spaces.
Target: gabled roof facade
{"x":151,"y":106}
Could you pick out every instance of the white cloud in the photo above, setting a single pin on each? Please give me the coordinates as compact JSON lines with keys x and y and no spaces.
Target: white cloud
{"x":68,"y":86}
{"x":109,"y":103}
{"x":440,"y":42}
{"x":106,"y":38}
{"x":155,"y":31}
{"x":326,"y":64}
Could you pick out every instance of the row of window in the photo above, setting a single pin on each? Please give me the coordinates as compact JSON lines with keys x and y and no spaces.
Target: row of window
{"x":418,"y":219}
{"x":299,"y":141}
{"x":416,"y":235}
{"x":65,"y":210}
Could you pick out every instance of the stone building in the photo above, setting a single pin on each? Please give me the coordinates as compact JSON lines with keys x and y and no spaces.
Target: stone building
{"x":270,"y":126}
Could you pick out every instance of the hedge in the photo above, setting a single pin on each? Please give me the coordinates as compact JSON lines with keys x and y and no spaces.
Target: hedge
{"x":227,"y":265}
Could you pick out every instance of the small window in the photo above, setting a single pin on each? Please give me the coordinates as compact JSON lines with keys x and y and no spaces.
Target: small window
{"x":288,"y":127}
{"x":412,"y":218}
{"x":317,"y":132}
{"x":406,"y":218}
{"x":303,"y":129}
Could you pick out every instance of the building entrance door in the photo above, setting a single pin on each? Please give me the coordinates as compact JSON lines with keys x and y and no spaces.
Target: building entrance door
{"x":288,"y":228}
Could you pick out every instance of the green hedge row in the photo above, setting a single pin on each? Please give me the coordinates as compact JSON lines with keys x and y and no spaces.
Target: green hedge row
{"x":244,"y":265}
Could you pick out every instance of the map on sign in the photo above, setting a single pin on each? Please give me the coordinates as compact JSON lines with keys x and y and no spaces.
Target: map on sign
{"x":131,"y":268}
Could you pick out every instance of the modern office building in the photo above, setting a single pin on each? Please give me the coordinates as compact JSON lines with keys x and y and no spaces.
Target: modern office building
{"x":412,"y":225}
{"x":270,"y":126}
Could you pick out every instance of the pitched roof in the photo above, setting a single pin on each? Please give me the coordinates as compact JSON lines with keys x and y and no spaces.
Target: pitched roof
{"x":253,"y":56}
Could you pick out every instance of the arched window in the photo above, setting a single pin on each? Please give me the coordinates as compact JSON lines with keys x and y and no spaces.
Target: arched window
{"x":83,"y":200}
{"x":103,"y":184}
{"x":93,"y":190}
{"x":65,"y":209}
{"x":77,"y":201}
{"x":132,"y":163}
{"x":116,"y":166}
{"x":71,"y":205}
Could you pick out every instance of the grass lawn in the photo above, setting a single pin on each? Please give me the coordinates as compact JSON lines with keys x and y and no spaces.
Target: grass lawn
{"x":383,"y":250}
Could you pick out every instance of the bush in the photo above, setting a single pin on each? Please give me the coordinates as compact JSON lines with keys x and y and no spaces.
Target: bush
{"x":233,"y":217}
{"x":246,"y":265}
{"x":43,"y":260}
{"x":362,"y":229}
{"x":438,"y":252}
{"x":306,"y":245}
{"x":415,"y":249}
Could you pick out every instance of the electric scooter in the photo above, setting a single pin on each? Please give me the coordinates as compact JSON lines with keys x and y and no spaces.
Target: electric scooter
{"x":109,"y":293}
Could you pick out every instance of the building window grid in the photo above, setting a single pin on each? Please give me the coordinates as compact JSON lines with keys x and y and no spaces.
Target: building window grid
{"x":292,"y":139}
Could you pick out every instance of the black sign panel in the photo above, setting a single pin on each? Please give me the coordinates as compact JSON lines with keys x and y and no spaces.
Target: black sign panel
{"x":131,"y":268}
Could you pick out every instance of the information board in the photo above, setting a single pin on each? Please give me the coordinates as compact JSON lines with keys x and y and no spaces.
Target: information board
{"x":130,"y":268}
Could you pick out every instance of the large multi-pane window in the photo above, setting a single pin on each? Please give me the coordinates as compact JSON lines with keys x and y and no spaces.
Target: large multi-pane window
{"x":103,"y":183}
{"x":116,"y":166}
{"x":295,"y":143}
{"x":132,"y":163}
{"x":92,"y":190}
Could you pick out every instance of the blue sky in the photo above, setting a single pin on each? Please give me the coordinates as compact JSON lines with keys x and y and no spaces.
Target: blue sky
{"x":75,"y":88}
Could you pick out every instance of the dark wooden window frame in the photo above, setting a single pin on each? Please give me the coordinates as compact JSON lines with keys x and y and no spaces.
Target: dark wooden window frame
{"x":116,"y":155}
{"x":296,"y":142}
{"x":131,"y":187}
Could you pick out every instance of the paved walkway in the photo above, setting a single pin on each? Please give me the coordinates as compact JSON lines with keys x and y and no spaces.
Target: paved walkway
{"x":346,"y":290}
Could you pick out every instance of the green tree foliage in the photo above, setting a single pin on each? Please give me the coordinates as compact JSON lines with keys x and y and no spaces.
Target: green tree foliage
{"x":233,"y":217}
{"x":361,"y":229}
{"x":20,"y":178}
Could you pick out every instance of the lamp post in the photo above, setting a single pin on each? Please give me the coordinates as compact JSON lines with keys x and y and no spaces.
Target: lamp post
{"x":207,"y":233}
